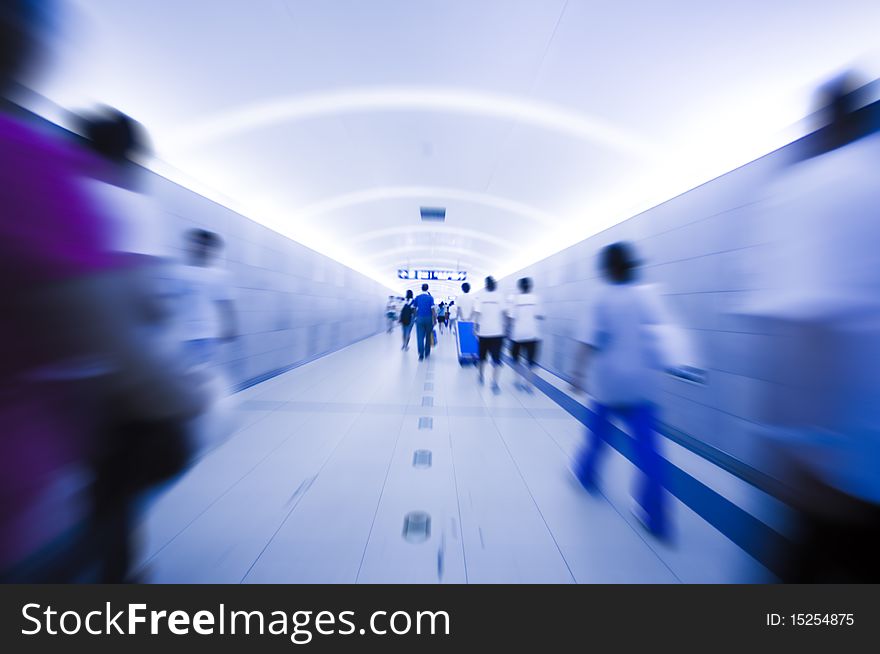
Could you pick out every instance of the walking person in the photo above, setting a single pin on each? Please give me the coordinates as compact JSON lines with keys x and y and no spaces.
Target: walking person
{"x":489,"y":326}
{"x":465,"y":335}
{"x":426,"y":316}
{"x":208,"y":318}
{"x":465,"y":304}
{"x":618,"y":349}
{"x":390,"y":313}
{"x":452,"y":314}
{"x":73,"y":339}
{"x":524,"y":313}
{"x":407,"y":319}
{"x":441,"y":316}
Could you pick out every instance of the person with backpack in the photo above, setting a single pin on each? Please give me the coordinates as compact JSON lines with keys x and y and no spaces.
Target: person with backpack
{"x":407,"y":313}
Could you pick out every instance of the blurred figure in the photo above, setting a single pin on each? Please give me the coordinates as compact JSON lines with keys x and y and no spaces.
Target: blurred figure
{"x":130,"y":449}
{"x":407,"y":319}
{"x":72,"y":354}
{"x":622,"y":355}
{"x":118,"y":183}
{"x":820,"y":308}
{"x":391,"y":313}
{"x":489,"y":327}
{"x":465,"y":303}
{"x":465,"y":337}
{"x":441,"y":316}
{"x":453,"y":317}
{"x":524,"y":313}
{"x":425,"y":318}
{"x":206,"y":299}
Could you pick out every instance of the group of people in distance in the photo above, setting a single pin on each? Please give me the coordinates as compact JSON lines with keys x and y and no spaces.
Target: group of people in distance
{"x":612,"y":351}
{"x":493,"y":321}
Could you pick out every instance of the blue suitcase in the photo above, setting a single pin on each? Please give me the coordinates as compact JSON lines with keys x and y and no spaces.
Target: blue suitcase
{"x":467,"y":344}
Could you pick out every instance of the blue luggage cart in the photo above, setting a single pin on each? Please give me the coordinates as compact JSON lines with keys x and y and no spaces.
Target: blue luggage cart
{"x":467,"y":344}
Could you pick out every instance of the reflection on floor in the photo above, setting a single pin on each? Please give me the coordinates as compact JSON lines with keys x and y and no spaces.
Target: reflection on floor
{"x":370,"y":466}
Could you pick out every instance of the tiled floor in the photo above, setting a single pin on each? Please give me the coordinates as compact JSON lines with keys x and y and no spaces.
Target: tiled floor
{"x":316,"y":483}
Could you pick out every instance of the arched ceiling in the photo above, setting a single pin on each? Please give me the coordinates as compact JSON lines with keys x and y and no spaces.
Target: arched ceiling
{"x":535,"y":123}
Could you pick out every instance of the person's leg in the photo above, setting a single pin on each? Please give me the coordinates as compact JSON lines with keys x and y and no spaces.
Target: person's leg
{"x":588,"y":460}
{"x":515,"y":348}
{"x":429,"y":329}
{"x":117,"y":566}
{"x":420,"y":338}
{"x":496,"y":363}
{"x":110,"y":522}
{"x":483,"y":347}
{"x":429,"y":337}
{"x":531,"y":349}
{"x":651,"y":496}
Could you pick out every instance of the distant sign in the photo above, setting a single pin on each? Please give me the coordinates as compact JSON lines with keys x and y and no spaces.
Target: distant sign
{"x":432,"y":275}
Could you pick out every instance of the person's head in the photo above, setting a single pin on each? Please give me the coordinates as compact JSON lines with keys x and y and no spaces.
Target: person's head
{"x":618,"y":263}
{"x":24,"y":30}
{"x":424,"y":288}
{"x":409,"y":294}
{"x":525,"y":284}
{"x":465,"y":288}
{"x":491,"y":285}
{"x":836,"y":105}
{"x":203,"y":246}
{"x":115,"y":136}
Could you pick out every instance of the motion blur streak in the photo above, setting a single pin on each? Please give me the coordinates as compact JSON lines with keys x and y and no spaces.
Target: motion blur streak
{"x":189,"y":393}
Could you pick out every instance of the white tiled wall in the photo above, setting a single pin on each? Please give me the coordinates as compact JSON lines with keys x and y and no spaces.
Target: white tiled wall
{"x":698,"y":246}
{"x":292,"y":303}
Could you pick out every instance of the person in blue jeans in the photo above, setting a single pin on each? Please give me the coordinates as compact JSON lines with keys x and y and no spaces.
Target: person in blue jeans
{"x":622,"y":365}
{"x":425,"y":317}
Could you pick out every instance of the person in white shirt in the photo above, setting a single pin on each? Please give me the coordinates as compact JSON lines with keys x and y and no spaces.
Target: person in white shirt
{"x":208,"y":314}
{"x":489,"y":326}
{"x":524,"y":313}
{"x":465,"y":304}
{"x":453,"y":317}
{"x":617,"y":342}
